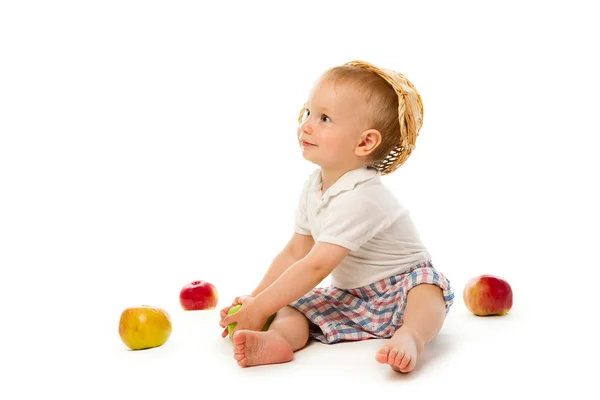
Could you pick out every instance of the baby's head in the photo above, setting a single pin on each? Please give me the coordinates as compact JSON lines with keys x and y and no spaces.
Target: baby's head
{"x":358,"y":114}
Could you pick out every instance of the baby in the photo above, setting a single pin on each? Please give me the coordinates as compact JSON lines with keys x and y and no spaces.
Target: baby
{"x":360,"y":122}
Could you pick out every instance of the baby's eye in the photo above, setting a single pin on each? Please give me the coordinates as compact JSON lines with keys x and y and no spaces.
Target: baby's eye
{"x":325,"y":118}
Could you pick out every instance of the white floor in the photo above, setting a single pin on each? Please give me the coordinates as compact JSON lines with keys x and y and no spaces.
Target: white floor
{"x":472,"y":358}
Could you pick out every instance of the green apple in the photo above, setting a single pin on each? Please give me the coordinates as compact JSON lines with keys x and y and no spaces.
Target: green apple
{"x":235,"y":309}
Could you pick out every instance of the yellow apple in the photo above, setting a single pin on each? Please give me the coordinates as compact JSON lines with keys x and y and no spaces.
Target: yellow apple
{"x":144,"y":327}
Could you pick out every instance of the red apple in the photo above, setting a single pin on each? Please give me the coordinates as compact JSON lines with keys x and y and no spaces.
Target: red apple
{"x":198,"y":295}
{"x":488,"y":295}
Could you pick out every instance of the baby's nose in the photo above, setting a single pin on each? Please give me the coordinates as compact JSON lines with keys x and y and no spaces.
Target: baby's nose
{"x":305,"y":126}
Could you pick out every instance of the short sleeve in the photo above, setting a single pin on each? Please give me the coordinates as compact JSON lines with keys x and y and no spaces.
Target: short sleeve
{"x":354,"y":220}
{"x":301,"y":225}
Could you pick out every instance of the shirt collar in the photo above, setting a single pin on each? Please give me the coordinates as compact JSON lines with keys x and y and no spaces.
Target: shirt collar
{"x":346,"y":182}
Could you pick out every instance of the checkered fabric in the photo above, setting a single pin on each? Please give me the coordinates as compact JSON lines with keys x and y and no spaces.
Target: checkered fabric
{"x":368,"y":312}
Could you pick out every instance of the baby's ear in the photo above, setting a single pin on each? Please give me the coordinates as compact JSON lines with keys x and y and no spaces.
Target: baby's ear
{"x":369,"y":140}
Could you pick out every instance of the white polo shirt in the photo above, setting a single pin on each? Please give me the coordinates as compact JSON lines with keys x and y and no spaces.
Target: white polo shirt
{"x":360,"y":213}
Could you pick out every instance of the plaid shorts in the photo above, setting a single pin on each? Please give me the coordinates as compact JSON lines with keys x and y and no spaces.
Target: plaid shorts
{"x":374,"y":311}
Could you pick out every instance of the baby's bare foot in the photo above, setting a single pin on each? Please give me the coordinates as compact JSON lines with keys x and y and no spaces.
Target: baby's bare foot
{"x":258,"y":348}
{"x":400,"y":352}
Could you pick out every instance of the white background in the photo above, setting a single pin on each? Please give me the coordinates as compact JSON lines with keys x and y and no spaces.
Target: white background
{"x":146,"y":144}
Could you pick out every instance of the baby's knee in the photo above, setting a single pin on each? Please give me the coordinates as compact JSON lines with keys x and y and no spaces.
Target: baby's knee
{"x":426,"y":292}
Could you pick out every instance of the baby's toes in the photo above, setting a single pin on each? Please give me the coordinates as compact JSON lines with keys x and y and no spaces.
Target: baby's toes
{"x":404,"y":361}
{"x":240,"y":348}
{"x":382,"y":354}
{"x":410,"y":366}
{"x":399,"y":357}
{"x":394,"y":357}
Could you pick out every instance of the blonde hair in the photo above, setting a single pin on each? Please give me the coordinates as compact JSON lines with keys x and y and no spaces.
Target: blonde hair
{"x":396,"y":110}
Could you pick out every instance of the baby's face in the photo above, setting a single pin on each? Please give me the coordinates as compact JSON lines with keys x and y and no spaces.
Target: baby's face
{"x":335,"y":118}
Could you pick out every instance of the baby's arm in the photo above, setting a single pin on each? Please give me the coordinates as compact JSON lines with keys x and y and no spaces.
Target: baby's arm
{"x":302,"y":276}
{"x":296,"y":249}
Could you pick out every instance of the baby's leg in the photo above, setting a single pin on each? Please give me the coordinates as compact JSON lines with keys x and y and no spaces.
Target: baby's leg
{"x":288,"y":332}
{"x":423,"y":318}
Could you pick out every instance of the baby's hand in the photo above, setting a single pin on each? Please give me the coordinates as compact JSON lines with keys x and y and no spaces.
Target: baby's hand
{"x":224,"y":313}
{"x":249,"y":317}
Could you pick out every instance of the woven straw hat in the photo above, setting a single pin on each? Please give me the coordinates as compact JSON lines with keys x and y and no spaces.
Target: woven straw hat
{"x":410,"y":115}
